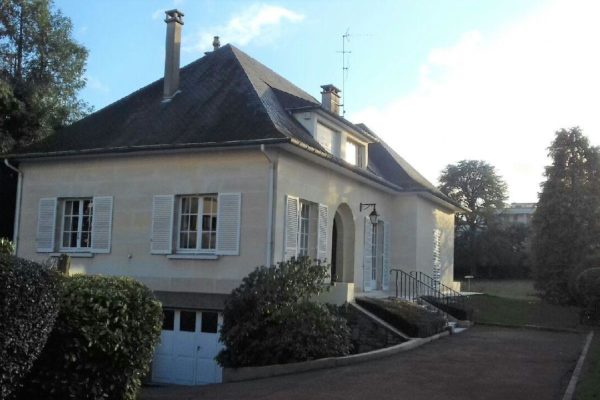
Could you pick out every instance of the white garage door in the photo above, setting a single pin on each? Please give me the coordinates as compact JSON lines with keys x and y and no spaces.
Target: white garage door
{"x":189,"y":344}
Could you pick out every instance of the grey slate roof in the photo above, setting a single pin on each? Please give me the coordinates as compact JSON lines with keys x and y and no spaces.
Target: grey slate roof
{"x":225,"y":98}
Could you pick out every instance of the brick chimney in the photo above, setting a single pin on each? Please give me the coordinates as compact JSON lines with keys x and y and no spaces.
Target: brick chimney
{"x":331,"y":98}
{"x":174,"y":20}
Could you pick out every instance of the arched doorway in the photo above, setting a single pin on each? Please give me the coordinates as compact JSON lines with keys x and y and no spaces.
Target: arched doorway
{"x":342,"y":245}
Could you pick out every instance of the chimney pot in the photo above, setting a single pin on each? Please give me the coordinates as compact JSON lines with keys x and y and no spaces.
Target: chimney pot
{"x":330,"y":99}
{"x":174,"y":20}
{"x":216,"y":43}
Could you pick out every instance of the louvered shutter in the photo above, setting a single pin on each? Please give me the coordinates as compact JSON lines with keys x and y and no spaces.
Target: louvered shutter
{"x":46,"y":227}
{"x":437,"y":262}
{"x":385,"y":279}
{"x":228,"y":223}
{"x":162,"y":224}
{"x":322,"y":233}
{"x":368,"y":256}
{"x":102,"y":224}
{"x":290,"y":240}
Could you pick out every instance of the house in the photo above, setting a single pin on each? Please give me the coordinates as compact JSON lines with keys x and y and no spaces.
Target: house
{"x":223,"y":165}
{"x":517,"y":213}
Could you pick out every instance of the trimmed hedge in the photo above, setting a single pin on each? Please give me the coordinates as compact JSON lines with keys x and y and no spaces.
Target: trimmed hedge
{"x":457,"y":310}
{"x":411,"y":319}
{"x":102,"y":343}
{"x":269,"y":320}
{"x":28,"y":309}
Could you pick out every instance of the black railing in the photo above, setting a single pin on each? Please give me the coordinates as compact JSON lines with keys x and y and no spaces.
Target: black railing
{"x":418,"y":285}
{"x":446,"y":290}
{"x":407,"y":286}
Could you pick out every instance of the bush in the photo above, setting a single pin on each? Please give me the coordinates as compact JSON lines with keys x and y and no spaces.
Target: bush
{"x":102,"y":343}
{"x":6,"y":246}
{"x":28,"y":309}
{"x":269,"y":319}
{"x":584,"y":286}
{"x":409,"y":318}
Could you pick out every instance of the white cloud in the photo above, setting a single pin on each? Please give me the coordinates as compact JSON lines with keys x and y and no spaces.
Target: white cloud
{"x":258,"y":23}
{"x":501,"y":98}
{"x":95,"y":84}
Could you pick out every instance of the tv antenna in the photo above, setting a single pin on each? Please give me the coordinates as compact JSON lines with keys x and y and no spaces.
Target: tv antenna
{"x":345,"y":67}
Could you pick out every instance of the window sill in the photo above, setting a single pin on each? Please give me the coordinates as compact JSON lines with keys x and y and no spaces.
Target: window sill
{"x":74,"y":254}
{"x":193,"y":256}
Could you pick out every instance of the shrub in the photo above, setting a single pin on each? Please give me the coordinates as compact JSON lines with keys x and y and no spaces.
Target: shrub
{"x":584,"y":286}
{"x":6,"y":246}
{"x":102,"y":343}
{"x":269,"y":320}
{"x":28,"y":309}
{"x":409,"y":318}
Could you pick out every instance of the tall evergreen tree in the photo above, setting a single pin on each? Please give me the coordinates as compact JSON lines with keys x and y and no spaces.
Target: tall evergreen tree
{"x":475,"y":185}
{"x":566,"y":223}
{"x":41,"y":72}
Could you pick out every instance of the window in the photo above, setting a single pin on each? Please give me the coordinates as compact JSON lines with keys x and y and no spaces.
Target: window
{"x":197,"y":223}
{"x":168,"y":320}
{"x":80,"y":226}
{"x":195,"y":226}
{"x":328,"y":138}
{"x":187,"y":321}
{"x":306,"y":231}
{"x":303,"y":232}
{"x":210,"y":322}
{"x":354,"y":153}
{"x":77,"y":224}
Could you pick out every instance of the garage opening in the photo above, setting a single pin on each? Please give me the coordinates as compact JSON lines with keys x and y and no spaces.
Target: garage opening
{"x":189,"y":344}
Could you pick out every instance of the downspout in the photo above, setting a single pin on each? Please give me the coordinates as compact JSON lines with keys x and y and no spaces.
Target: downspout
{"x":271,"y":211}
{"x":17,"y":205}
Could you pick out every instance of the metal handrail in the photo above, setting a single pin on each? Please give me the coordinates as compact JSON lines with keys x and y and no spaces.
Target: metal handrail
{"x":411,"y":288}
{"x":448,"y":294}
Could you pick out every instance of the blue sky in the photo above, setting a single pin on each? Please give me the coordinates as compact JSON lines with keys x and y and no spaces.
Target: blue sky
{"x":439,"y":80}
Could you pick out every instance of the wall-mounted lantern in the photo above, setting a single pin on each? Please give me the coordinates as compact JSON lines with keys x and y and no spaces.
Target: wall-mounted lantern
{"x":373,"y":216}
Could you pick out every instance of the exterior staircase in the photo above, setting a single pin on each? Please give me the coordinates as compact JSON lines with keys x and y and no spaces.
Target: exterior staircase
{"x":422,"y":289}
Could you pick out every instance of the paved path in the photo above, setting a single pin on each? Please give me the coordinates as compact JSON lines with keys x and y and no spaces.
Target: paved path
{"x":481,"y":363}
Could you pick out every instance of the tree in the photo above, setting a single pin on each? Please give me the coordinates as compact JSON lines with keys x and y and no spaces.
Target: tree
{"x":566,"y":223}
{"x":475,"y":185}
{"x":41,"y":72}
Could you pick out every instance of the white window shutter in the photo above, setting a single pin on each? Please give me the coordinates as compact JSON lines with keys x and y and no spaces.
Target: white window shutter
{"x":368,"y":255}
{"x":228,"y":224}
{"x":290,"y":240}
{"x":437,"y":262}
{"x":322,"y":233}
{"x":162,"y":224}
{"x":46,"y":227}
{"x":385,"y":279}
{"x":102,"y":224}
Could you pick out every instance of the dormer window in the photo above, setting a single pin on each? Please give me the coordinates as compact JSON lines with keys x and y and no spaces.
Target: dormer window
{"x":351,"y":155}
{"x":328,"y":138}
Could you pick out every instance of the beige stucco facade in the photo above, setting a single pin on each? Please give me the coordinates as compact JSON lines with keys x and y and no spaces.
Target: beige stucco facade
{"x":133,"y":180}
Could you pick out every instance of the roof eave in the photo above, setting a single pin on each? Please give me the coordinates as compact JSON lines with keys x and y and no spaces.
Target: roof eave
{"x":132,"y":149}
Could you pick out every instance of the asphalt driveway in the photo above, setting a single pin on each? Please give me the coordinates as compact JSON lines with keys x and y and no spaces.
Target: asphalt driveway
{"x":480,"y":363}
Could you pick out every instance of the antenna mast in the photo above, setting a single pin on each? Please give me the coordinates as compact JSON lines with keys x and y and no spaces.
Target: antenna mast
{"x":345,"y":37}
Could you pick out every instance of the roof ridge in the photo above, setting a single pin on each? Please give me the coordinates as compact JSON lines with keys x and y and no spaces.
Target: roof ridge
{"x":234,"y":50}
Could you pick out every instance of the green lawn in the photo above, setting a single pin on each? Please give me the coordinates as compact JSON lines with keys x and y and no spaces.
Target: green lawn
{"x":510,"y":288}
{"x":515,"y":312}
{"x":588,"y":387}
